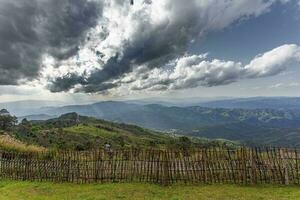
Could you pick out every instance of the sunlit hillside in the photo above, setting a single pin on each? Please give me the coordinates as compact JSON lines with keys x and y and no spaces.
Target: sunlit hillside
{"x":71,"y":131}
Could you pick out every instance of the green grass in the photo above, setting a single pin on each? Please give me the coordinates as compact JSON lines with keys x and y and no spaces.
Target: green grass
{"x":12,"y":190}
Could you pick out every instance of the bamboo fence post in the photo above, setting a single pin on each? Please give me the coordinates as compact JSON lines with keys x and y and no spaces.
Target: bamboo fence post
{"x":165,"y":168}
{"x":297,"y":167}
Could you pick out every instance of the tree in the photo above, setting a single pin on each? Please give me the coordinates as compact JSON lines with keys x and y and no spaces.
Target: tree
{"x":25,"y":122}
{"x":4,"y":112}
{"x":184,"y":143}
{"x":7,"y":121}
{"x":25,"y":127}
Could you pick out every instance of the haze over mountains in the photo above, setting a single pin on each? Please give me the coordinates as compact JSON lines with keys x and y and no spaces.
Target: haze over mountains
{"x":22,"y":108}
{"x":161,"y":117}
{"x":284,"y":103}
{"x":255,"y":121}
{"x":29,"y":107}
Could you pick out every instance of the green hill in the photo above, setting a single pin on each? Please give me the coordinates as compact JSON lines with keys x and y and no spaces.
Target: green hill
{"x":71,"y":131}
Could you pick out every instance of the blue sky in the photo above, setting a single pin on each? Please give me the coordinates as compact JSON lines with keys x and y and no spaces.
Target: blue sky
{"x":96,"y":50}
{"x":244,"y":40}
{"x":248,"y":38}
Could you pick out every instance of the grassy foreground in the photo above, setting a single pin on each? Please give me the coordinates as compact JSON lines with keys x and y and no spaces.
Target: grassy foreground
{"x":12,"y":190}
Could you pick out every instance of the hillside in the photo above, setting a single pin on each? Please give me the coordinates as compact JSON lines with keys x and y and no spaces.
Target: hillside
{"x":71,"y":131}
{"x":7,"y":142}
{"x":252,"y":135}
{"x":158,"y":117}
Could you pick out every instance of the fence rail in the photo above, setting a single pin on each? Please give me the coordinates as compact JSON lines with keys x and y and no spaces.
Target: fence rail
{"x":214,"y":165}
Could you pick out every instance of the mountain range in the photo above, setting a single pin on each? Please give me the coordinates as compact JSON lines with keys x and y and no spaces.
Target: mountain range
{"x":263,"y":121}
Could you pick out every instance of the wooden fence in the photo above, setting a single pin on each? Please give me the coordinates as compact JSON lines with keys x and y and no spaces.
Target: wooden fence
{"x":217,"y":165}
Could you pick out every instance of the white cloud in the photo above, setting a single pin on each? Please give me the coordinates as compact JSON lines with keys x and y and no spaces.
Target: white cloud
{"x":277,"y":85}
{"x":284,"y":85}
{"x":294,"y":84}
{"x":193,"y":71}
{"x":19,"y":90}
{"x":273,"y":62}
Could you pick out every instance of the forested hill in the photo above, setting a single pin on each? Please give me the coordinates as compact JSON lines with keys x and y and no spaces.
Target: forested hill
{"x":72,"y":131}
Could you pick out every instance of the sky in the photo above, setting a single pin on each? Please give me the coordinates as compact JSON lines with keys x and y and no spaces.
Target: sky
{"x":92,"y":50}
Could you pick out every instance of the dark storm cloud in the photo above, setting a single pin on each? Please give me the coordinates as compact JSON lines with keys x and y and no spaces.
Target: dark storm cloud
{"x":66,"y":83}
{"x":102,"y":88}
{"x":64,"y":23}
{"x":31,"y":28}
{"x":96,"y":82}
{"x":150,"y":45}
{"x":19,"y":43}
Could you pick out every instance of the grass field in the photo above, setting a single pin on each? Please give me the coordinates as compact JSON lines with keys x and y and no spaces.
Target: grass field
{"x":9,"y":143}
{"x":12,"y":190}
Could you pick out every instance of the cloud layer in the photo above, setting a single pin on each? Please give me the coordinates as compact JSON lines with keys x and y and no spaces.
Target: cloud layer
{"x":149,"y":34}
{"x":102,"y":45}
{"x":196,"y":70}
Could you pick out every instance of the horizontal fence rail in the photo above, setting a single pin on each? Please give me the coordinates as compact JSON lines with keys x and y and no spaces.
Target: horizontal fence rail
{"x":213,"y":165}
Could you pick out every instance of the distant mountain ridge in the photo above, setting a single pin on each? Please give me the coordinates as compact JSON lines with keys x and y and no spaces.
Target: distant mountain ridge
{"x":252,"y":127}
{"x":36,"y":117}
{"x":278,"y":103}
{"x":28,"y":107}
{"x":160,"y":117}
{"x":34,"y":107}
